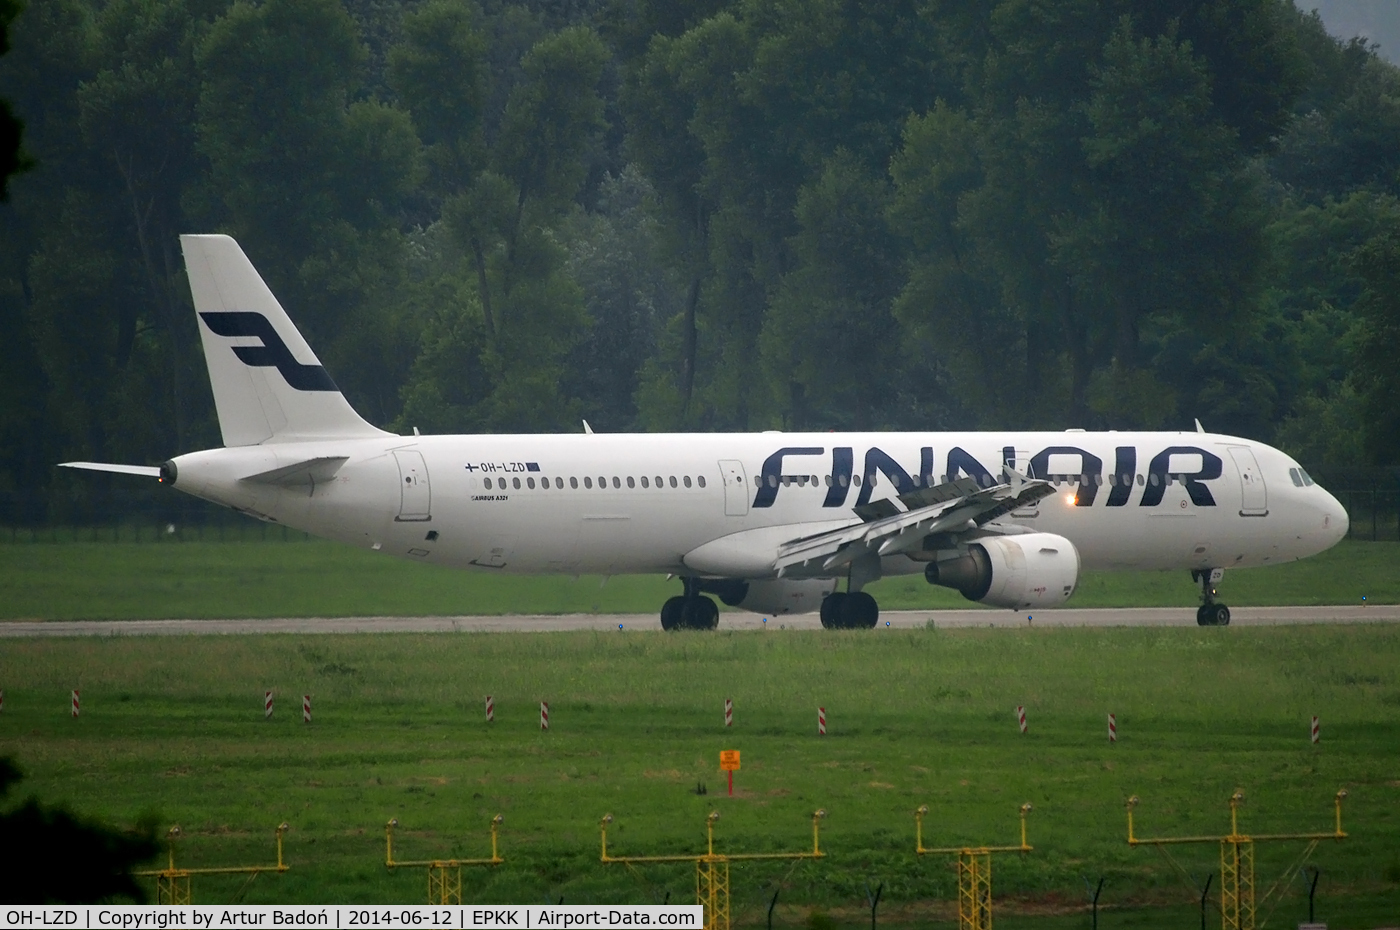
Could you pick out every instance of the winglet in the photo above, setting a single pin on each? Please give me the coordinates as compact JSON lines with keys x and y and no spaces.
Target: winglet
{"x":1199,"y":427}
{"x":587,"y":429}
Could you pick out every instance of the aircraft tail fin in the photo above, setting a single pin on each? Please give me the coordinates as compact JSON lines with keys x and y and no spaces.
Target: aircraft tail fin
{"x":268,"y":384}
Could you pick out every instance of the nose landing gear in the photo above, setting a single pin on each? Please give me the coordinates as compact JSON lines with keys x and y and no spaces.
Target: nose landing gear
{"x":1211,"y":612}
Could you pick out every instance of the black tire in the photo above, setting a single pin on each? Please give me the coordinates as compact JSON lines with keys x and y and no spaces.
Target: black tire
{"x":831,"y":610}
{"x":1220,"y":615}
{"x":671,"y":613}
{"x":859,"y":612}
{"x":699,"y":613}
{"x":1202,"y":619}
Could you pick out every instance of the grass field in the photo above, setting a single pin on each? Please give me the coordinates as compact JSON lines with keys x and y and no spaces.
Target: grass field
{"x":172,"y":728}
{"x":196,"y":580}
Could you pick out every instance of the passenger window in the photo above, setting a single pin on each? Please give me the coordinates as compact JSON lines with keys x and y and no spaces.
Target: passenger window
{"x":587,"y":482}
{"x":700,"y":479}
{"x":658,"y":481}
{"x":573,"y":483}
{"x":673,"y":480}
{"x":828,"y":480}
{"x":616,"y":483}
{"x":686,"y":479}
{"x":487,"y":483}
{"x":516,"y":482}
{"x":845,"y":481}
{"x":1139,"y":481}
{"x":530,"y":483}
{"x":644,"y":482}
{"x":872,"y":480}
{"x":772,"y":481}
{"x":855,"y":480}
{"x":1153,"y":479}
{"x":1098,"y":480}
{"x":602,"y":483}
{"x":787,"y":480}
{"x":631,"y":482}
{"x":559,"y":483}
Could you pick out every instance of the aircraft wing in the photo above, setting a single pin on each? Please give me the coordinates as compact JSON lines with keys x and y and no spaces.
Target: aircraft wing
{"x":951,"y":507}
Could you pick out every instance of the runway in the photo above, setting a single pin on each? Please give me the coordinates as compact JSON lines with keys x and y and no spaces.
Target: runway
{"x":540,"y":623}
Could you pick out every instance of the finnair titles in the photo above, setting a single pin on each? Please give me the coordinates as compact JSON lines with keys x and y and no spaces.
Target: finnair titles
{"x":770,"y":522}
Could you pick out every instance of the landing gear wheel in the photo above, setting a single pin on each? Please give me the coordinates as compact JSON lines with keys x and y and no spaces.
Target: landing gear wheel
{"x":671,"y":613}
{"x":859,"y":612}
{"x":831,"y":610}
{"x":699,"y":613}
{"x":1211,"y":612}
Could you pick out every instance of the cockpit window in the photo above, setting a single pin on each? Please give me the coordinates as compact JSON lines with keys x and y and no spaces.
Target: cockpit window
{"x":1297,"y":478}
{"x":1307,"y":479}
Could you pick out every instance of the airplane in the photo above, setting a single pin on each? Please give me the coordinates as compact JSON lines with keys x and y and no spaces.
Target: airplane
{"x":770,"y":522}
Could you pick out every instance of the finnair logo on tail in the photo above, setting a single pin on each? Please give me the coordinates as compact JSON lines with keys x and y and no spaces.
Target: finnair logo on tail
{"x":273,"y":353}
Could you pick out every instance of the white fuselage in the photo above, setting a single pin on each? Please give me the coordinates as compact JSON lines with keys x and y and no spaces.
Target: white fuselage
{"x":718,"y":505}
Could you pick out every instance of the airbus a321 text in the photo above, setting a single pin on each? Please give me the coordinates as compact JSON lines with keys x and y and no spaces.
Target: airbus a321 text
{"x":770,"y":522}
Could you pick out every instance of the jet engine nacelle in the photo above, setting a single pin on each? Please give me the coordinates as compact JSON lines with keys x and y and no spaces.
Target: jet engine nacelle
{"x":1019,"y":572}
{"x":772,"y":597}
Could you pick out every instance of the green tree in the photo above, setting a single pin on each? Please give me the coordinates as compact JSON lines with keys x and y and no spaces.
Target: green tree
{"x":33,"y":836}
{"x":313,"y":181}
{"x":1378,"y":377}
{"x":503,"y":219}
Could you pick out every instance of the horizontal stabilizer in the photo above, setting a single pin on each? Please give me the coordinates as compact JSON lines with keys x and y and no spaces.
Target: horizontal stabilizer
{"x":145,"y":471}
{"x":312,"y":471}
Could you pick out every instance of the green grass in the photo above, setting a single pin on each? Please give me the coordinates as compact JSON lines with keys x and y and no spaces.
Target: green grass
{"x":173,"y":727}
{"x":197,"y":580}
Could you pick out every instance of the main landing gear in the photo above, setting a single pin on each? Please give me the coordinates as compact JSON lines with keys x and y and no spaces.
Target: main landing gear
{"x":853,"y":611}
{"x":1211,"y":612}
{"x":691,"y":611}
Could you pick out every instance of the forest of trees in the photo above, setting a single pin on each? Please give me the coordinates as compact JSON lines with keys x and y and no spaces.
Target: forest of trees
{"x":710,"y":215}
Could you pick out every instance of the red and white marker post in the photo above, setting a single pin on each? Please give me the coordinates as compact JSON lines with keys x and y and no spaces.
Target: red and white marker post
{"x":267,"y":705}
{"x":1315,"y":734}
{"x":75,"y":703}
{"x":821,"y":721}
{"x":1112,"y":728}
{"x":544,"y":715}
{"x":490,"y":709}
{"x":728,"y":712}
{"x":1021,"y":716}
{"x":306,"y":708}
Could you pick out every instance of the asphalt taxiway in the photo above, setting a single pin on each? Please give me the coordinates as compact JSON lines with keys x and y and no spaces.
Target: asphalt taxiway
{"x":540,"y":623}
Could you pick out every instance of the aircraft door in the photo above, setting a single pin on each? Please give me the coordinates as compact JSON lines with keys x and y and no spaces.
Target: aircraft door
{"x":415,"y":501}
{"x":1254,"y":499}
{"x":736,"y":488}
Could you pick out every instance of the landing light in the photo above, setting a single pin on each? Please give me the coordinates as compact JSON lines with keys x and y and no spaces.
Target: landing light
{"x":1069,"y":500}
